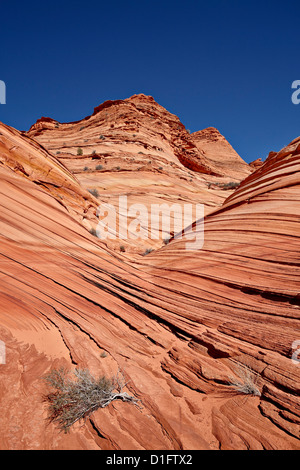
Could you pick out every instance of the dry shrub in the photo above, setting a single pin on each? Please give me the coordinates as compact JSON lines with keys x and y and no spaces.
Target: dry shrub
{"x":74,"y":398}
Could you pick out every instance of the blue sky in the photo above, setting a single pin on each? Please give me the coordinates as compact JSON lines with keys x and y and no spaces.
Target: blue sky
{"x":223,"y":63}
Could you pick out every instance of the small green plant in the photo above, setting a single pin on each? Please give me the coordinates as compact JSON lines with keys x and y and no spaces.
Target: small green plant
{"x":149,"y":250}
{"x":75,"y":398}
{"x":118,"y":168}
{"x":86,"y":168}
{"x":79,"y":151}
{"x":99,"y":167}
{"x":93,"y":231}
{"x":93,"y":192}
{"x":122,"y":248}
{"x":231,"y":185}
{"x":101,"y":137}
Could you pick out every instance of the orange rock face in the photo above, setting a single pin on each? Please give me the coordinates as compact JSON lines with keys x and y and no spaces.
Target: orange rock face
{"x":27,"y":158}
{"x":219,"y":154}
{"x":182,"y":325}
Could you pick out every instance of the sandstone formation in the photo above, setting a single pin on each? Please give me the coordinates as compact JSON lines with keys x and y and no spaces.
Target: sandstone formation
{"x":136,"y":148}
{"x":220,"y":154}
{"x":25,"y":157}
{"x":182,"y":325}
{"x":256,"y":164}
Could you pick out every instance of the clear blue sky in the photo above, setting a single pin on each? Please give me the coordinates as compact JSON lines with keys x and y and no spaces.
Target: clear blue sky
{"x":223,"y":63}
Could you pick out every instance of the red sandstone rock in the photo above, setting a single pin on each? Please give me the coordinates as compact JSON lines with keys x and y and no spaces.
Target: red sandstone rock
{"x":179,"y":324}
{"x":220,"y":154}
{"x":256,"y":164}
{"x":135,"y":147}
{"x":25,"y":157}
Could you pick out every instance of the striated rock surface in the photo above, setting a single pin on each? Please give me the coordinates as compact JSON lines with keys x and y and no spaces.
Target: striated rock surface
{"x":136,"y":148}
{"x":180,"y":324}
{"x":246,"y":286}
{"x":256,"y":164}
{"x":25,"y":157}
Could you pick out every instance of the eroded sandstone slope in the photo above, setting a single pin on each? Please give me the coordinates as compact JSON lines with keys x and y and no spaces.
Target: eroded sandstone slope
{"x":136,"y":148}
{"x":25,"y":157}
{"x":179,"y":324}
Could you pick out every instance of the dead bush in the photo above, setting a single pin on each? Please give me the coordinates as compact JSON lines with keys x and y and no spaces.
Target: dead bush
{"x":76,"y":396}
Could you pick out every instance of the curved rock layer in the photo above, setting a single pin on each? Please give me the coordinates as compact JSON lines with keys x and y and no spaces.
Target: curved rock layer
{"x":135,"y":147}
{"x":25,"y":157}
{"x":181,"y":325}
